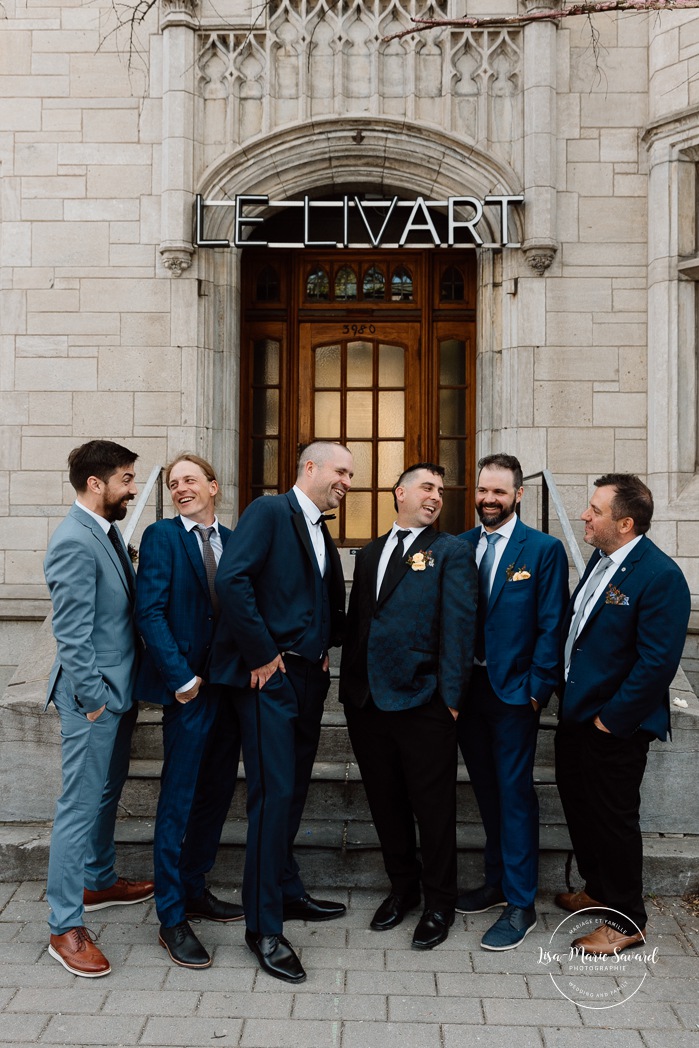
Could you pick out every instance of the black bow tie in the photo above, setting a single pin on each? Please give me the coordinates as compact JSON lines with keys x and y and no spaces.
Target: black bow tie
{"x":325,"y":516}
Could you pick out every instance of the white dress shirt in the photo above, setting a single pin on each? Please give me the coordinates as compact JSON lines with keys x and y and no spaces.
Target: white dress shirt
{"x":312,"y":515}
{"x":390,"y":545}
{"x":102,"y":521}
{"x":504,"y":531}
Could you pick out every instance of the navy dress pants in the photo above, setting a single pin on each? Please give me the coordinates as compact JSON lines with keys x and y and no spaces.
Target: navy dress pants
{"x":280,"y":730}
{"x":498,"y":742}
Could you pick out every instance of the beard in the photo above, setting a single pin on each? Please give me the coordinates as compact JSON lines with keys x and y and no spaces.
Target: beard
{"x":491,"y":518}
{"x":116,"y":510}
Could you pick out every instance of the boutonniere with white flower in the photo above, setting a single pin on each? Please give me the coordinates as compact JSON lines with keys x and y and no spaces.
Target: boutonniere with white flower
{"x":613,"y":595}
{"x":517,"y":574}
{"x":421,"y":560}
{"x":133,"y":554}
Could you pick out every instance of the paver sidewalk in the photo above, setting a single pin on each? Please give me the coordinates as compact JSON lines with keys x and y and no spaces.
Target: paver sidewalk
{"x":364,"y":989}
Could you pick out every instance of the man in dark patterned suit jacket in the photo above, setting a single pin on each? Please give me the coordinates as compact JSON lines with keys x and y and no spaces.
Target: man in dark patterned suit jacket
{"x":406,"y":664}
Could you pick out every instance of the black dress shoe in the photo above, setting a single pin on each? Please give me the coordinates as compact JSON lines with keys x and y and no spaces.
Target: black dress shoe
{"x":208,"y":907}
{"x":392,"y":911}
{"x":276,"y":956}
{"x":308,"y":909}
{"x":432,"y":928}
{"x":183,"y":946}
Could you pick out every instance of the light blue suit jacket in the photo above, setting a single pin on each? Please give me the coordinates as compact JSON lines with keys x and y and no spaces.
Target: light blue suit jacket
{"x":524,"y":618}
{"x":92,"y":615}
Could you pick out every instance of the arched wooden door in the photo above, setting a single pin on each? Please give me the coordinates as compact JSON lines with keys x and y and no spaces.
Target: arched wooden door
{"x":376,"y":349}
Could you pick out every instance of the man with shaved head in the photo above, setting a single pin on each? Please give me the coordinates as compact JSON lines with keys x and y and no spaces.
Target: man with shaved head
{"x":282,"y":596}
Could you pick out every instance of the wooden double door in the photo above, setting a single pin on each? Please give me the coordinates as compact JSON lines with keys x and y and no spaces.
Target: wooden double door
{"x":375,"y":349}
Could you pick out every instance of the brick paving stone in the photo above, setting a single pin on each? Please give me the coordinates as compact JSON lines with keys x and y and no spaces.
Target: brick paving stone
{"x":415,"y":1009}
{"x":392,"y":982}
{"x":668,"y":945}
{"x":234,"y":955}
{"x":391,"y":1035}
{"x":492,"y":1037}
{"x":330,"y":934}
{"x":83,"y":995}
{"x":28,"y":975}
{"x":532,"y":1013}
{"x":13,"y":932}
{"x":520,"y":961}
{"x":542,"y":987}
{"x":25,"y":910}
{"x":7,"y":890}
{"x":688,"y":1013}
{"x":6,"y":995}
{"x":669,"y":1039}
{"x":21,"y":953}
{"x":439,"y":960}
{"x":134,"y":913}
{"x":150,"y":1002}
{"x":339,"y":1006}
{"x":93,"y":1029}
{"x":244,"y":1005}
{"x":318,"y":981}
{"x":469,"y":984}
{"x":396,"y":939}
{"x":30,"y":890}
{"x":568,"y":1038}
{"x":656,"y":1015}
{"x":16,"y":1027}
{"x":189,"y":1032}
{"x":658,"y":989}
{"x":127,"y":977}
{"x":131,"y":934}
{"x":301,"y":1033}
{"x":361,"y":960}
{"x":215,"y":978}
{"x":675,"y":967}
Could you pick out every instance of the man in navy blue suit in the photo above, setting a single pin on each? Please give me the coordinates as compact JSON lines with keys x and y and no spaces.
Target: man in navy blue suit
{"x":282,"y":594}
{"x":176,"y":611}
{"x":405,"y":668}
{"x":624,"y":632}
{"x":523,"y":591}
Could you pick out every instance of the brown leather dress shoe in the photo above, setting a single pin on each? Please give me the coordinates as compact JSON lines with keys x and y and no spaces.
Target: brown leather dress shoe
{"x":575,"y":901}
{"x":606,"y":940}
{"x":121,"y":893}
{"x":76,"y":951}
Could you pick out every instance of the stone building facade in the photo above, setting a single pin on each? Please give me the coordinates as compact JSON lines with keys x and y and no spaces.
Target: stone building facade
{"x":117,"y":321}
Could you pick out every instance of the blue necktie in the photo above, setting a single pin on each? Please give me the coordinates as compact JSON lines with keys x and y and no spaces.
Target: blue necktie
{"x":484,"y":569}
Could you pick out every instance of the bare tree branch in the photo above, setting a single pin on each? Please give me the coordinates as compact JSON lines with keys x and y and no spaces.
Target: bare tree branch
{"x":592,"y":8}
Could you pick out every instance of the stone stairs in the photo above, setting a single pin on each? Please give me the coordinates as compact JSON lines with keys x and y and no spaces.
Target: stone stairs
{"x":337,"y":844}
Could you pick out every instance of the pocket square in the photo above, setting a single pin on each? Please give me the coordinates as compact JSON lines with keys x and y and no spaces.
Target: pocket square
{"x":613,"y":595}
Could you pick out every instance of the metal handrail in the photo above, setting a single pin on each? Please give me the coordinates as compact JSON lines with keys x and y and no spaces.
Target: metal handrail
{"x":155,"y":474}
{"x":549,"y":490}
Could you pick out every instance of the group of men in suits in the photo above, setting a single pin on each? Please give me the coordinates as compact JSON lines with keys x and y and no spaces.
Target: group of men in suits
{"x":446,"y":641}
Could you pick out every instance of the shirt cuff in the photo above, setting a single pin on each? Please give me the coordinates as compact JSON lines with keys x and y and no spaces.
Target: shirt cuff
{"x":187,"y":686}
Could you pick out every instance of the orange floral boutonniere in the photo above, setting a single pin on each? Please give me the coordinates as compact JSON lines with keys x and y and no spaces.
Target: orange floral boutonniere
{"x":421,"y":560}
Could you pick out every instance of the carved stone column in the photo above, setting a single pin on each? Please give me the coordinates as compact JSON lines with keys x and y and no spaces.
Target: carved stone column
{"x":540,"y":244}
{"x":178,"y":24}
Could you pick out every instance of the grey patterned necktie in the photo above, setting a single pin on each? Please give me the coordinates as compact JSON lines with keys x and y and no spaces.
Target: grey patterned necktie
{"x":484,"y":572}
{"x":590,"y":587}
{"x":209,"y":563}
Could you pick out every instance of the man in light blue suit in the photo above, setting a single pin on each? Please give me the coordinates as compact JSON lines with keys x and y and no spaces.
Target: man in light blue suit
{"x":91,"y":581}
{"x":176,"y":613}
{"x":522,"y":595}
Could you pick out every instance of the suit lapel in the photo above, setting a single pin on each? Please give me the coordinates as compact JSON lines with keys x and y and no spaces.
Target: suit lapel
{"x":422,"y":542}
{"x":299,"y":522}
{"x":87,"y":521}
{"x":623,"y":572}
{"x":510,"y":555}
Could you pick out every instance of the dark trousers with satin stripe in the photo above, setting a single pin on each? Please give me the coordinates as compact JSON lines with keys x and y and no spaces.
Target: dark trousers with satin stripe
{"x":599,"y":779}
{"x":201,"y":744}
{"x":498,"y":742}
{"x":280,"y":729}
{"x":407,"y":759}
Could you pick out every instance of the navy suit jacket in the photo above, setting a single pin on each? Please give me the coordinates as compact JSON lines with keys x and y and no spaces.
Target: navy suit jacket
{"x":92,"y":615}
{"x":524,"y":618}
{"x":418,"y":640}
{"x":174,"y":613}
{"x":266,"y":585}
{"x":628,"y":651}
